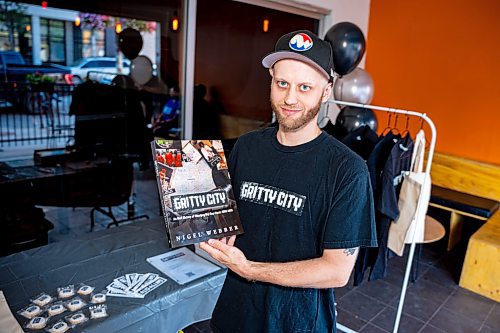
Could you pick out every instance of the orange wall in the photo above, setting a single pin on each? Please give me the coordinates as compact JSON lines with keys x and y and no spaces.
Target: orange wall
{"x":441,"y":58}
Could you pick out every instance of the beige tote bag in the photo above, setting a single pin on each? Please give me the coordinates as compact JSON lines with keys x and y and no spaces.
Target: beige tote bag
{"x":411,"y":218}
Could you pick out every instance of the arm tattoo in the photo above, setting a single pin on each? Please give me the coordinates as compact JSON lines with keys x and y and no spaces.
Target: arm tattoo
{"x":350,"y":252}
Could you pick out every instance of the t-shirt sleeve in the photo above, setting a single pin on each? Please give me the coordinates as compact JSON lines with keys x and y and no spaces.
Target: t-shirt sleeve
{"x":351,"y":218}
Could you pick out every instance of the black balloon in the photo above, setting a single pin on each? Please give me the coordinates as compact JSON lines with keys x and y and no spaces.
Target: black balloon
{"x":348,"y":46}
{"x":130,"y":43}
{"x":352,"y":117}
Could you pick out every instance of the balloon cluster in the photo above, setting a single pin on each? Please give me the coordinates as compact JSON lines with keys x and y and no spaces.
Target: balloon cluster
{"x":353,"y":84}
{"x":130,"y":43}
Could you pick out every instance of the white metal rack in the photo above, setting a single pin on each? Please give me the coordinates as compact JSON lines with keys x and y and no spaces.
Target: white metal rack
{"x":430,"y":155}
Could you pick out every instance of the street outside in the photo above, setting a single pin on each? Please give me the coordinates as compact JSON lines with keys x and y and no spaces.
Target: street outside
{"x":21,"y":134}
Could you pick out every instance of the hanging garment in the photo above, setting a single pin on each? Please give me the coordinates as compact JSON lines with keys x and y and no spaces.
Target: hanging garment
{"x":377,"y":159}
{"x":412,"y":217}
{"x":375,"y":163}
{"x":389,"y":158}
{"x":362,"y":140}
{"x":387,"y":205}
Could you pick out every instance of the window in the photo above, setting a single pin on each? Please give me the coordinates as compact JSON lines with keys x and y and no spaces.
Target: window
{"x":93,"y":43}
{"x":91,"y":64}
{"x":15,"y":34}
{"x":103,"y":64}
{"x":53,"y":41}
{"x":107,"y":63}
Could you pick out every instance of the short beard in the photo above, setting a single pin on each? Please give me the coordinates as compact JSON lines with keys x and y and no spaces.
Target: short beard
{"x":289,"y":125}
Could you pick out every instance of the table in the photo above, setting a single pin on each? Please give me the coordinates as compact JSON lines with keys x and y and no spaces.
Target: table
{"x":24,"y":185}
{"x":95,"y":183}
{"x":99,"y":257}
{"x":22,"y":181}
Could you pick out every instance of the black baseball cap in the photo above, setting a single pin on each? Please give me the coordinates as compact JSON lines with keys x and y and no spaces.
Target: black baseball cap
{"x":304,"y":46}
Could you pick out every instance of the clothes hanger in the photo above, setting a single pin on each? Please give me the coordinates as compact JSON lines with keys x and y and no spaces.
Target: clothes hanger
{"x":388,"y":128}
{"x":406,"y":131}
{"x":427,"y":143}
{"x":394,"y":129}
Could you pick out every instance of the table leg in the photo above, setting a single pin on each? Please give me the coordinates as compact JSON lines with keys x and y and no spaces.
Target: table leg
{"x":456,"y":223}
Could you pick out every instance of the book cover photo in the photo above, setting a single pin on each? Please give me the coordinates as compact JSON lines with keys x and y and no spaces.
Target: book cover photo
{"x":195,"y":190}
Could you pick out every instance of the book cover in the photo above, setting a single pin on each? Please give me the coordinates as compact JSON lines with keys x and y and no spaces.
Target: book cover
{"x":195,"y":190}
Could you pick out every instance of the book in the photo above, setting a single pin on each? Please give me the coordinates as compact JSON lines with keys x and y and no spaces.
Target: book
{"x":195,"y":191}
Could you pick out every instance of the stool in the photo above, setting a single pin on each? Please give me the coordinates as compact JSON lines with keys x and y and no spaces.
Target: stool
{"x":434,"y":231}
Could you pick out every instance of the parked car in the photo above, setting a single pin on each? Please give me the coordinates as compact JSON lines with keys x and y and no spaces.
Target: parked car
{"x":94,"y":66}
{"x":13,"y":68}
{"x":25,"y":87}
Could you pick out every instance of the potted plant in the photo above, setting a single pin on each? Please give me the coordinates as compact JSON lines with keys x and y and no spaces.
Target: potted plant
{"x":39,"y":92}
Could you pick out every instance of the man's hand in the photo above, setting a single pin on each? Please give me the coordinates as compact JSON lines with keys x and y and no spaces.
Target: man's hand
{"x":226,"y":253}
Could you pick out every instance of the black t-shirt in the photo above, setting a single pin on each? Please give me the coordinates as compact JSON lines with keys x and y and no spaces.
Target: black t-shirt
{"x":294,"y":202}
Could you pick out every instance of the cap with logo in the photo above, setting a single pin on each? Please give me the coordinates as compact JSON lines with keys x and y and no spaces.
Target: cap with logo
{"x":304,"y":46}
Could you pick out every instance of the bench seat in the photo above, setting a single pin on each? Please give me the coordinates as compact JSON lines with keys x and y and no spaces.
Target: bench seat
{"x":469,"y":205}
{"x":460,"y":205}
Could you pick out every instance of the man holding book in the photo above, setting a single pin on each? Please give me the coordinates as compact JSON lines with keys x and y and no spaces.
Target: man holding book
{"x":305,"y":203}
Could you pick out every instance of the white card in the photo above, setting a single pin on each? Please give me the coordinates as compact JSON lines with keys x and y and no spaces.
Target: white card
{"x":118,"y":285}
{"x":129,"y":278}
{"x":152,"y":286}
{"x":122,"y":279}
{"x":150,"y":277}
{"x":112,"y":293}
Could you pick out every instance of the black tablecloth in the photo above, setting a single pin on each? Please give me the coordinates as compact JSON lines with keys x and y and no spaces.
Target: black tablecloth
{"x":99,"y":257}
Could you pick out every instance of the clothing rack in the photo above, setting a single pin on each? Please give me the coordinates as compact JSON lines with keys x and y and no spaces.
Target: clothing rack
{"x":432,"y":145}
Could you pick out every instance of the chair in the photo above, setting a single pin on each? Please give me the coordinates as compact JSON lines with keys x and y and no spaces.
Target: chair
{"x":23,"y":227}
{"x":110,"y":122}
{"x":114,"y":189}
